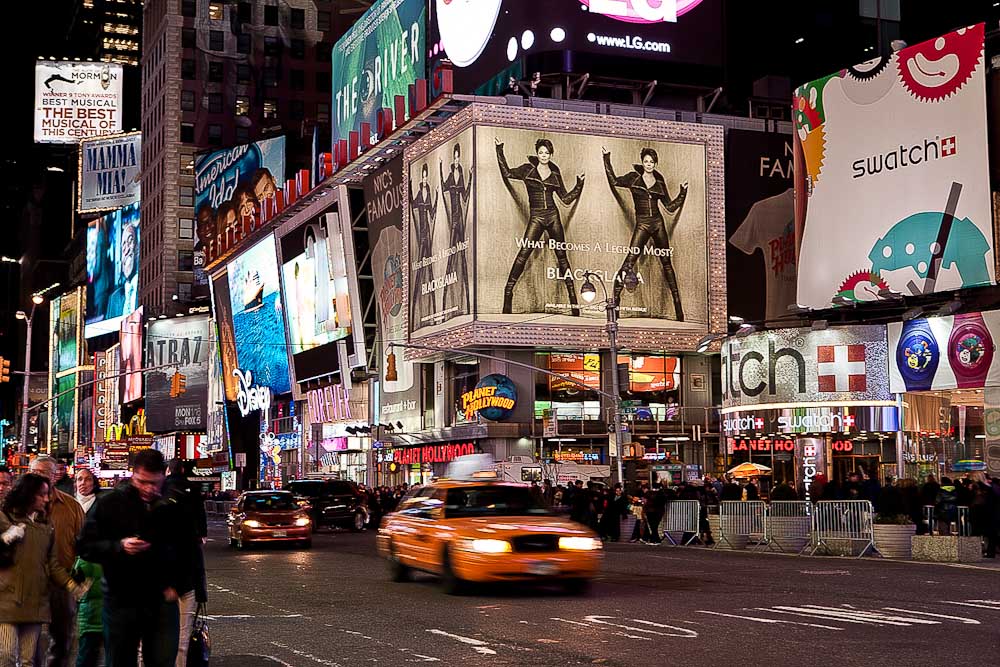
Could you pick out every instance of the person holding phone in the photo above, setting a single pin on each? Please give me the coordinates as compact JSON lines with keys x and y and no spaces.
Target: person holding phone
{"x":129,"y":532}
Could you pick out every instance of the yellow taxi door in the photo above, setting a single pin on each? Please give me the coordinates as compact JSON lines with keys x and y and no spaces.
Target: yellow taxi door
{"x":408,"y":526}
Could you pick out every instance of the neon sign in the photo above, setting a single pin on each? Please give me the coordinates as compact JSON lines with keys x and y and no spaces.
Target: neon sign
{"x":251,"y":397}
{"x":642,"y":11}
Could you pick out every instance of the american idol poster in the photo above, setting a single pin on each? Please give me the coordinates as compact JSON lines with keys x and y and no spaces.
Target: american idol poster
{"x":258,"y":316}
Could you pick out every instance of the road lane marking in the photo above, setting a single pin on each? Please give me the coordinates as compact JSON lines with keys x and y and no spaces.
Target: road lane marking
{"x":226,"y":617}
{"x":477,"y":645}
{"x":272,"y":659}
{"x":310,"y":656}
{"x":877,"y":616}
{"x":960,"y":619}
{"x":757,"y":619}
{"x":812,"y":613}
{"x":590,"y":627}
{"x":969,"y":604}
{"x":838,"y":614}
{"x":995,"y":603}
{"x":685,"y":633}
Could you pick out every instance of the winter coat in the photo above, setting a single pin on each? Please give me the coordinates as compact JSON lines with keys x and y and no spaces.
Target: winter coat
{"x":946,"y":507}
{"x":88,"y":615}
{"x":25,"y":585}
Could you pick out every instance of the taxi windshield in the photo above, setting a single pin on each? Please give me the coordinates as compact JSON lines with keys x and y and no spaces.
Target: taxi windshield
{"x":474,"y":501}
{"x":270,"y":501}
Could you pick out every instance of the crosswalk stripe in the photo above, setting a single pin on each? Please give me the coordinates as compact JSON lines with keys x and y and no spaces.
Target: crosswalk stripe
{"x":960,"y":619}
{"x":757,"y":619}
{"x":969,"y":604}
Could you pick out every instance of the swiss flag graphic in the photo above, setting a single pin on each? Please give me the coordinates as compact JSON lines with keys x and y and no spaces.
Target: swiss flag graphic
{"x":949,"y":146}
{"x":841,"y":368}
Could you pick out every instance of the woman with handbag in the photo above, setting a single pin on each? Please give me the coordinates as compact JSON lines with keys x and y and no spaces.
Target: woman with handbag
{"x":27,"y":566}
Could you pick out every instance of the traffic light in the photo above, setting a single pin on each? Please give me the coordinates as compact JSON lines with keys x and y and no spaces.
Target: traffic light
{"x":4,"y":370}
{"x":178,"y":385}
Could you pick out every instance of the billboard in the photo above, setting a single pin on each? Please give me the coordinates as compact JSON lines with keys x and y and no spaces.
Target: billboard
{"x":130,"y":353}
{"x":894,"y":189}
{"x":229,"y":184}
{"x":177,"y":398}
{"x":483,"y":38}
{"x":258,"y":320}
{"x":844,"y":364}
{"x":320,"y":294}
{"x":65,"y":355}
{"x":384,"y":193}
{"x":227,"y":341}
{"x":108,"y":172}
{"x":441,"y":252}
{"x":562,"y":204}
{"x":378,"y":58}
{"x":103,"y":413}
{"x":760,"y":224}
{"x":75,"y":100}
{"x":112,"y":269}
{"x":952,"y":352}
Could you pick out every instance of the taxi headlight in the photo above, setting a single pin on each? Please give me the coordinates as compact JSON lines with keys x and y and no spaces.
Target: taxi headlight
{"x":303,"y":521}
{"x":490,"y":546}
{"x":251,"y":523}
{"x":579,"y":543}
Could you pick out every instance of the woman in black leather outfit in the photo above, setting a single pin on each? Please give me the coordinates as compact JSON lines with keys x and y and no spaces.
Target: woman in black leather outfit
{"x":424,"y":210}
{"x":543,"y":180}
{"x":455,"y":194}
{"x":649,"y":191}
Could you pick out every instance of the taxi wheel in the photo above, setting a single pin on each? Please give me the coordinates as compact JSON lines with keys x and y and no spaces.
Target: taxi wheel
{"x":397,"y":571}
{"x":577,"y":586}
{"x":452,"y":583}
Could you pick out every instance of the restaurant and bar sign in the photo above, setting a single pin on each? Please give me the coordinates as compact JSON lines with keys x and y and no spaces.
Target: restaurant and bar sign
{"x":425,"y":454}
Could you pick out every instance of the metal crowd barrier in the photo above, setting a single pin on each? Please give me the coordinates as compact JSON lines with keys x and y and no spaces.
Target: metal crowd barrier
{"x":847,"y":521}
{"x":741,"y":521}
{"x":681,"y":516}
{"x":961,"y":526}
{"x":788,"y":526}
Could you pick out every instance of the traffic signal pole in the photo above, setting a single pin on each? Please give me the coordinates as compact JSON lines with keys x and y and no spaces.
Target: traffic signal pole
{"x":22,"y":447}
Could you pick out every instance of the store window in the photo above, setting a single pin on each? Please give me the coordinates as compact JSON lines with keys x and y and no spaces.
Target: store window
{"x":187,"y":137}
{"x":427,"y":394}
{"x":216,"y":71}
{"x":561,"y":399}
{"x":464,"y":376}
{"x":216,"y":11}
{"x":653,"y":389}
{"x":242,"y":106}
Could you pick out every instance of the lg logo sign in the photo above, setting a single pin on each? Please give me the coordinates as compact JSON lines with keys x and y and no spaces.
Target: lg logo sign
{"x":642,"y":11}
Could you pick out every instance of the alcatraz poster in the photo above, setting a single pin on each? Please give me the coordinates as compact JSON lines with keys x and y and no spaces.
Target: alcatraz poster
{"x":562,"y":204}
{"x":176,"y":398}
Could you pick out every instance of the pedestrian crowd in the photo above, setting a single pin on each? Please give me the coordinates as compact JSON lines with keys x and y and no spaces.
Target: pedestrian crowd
{"x":86,"y":572}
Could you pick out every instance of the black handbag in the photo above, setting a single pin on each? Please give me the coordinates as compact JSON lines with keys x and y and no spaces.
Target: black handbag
{"x":200,"y":644}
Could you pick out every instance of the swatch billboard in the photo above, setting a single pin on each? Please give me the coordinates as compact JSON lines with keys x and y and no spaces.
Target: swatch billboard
{"x":382,"y":54}
{"x":894,"y":190}
{"x":258,"y":317}
{"x":113,"y":253}
{"x":177,"y":397}
{"x":952,"y":352}
{"x":229,"y":184}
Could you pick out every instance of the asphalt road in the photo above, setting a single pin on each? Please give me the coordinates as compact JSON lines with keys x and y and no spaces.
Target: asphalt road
{"x":334,"y":606}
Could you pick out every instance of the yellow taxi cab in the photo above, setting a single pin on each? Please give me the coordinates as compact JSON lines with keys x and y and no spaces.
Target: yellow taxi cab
{"x":484,"y":530}
{"x":268,"y":516}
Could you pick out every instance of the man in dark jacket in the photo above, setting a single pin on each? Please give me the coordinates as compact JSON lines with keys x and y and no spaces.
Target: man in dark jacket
{"x":129,"y":531}
{"x":191,"y":528}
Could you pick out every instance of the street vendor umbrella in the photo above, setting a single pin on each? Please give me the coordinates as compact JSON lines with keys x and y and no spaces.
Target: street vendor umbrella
{"x":749,"y":470}
{"x":968,"y":465}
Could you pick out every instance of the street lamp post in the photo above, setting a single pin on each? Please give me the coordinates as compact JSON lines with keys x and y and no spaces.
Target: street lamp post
{"x":36,"y":300}
{"x":589,"y":292}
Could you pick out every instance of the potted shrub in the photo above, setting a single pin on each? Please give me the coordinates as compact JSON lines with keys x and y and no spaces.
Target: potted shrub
{"x":893,"y":533}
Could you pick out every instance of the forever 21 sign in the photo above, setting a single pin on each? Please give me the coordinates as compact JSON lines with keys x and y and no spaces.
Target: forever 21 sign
{"x":803,"y":365}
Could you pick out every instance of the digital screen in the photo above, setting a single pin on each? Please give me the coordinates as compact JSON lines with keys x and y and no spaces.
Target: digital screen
{"x":113,"y":252}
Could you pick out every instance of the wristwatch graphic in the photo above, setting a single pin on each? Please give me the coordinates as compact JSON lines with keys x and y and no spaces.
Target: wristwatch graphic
{"x":917,"y":355}
{"x":970,"y":350}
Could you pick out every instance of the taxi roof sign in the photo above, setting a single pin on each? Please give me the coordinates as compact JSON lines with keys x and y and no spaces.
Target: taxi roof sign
{"x":471,"y":467}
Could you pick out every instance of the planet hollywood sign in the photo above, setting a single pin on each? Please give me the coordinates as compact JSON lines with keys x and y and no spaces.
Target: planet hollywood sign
{"x":425,"y":453}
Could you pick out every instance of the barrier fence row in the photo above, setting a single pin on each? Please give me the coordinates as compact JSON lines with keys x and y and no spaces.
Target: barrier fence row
{"x":219,"y":507}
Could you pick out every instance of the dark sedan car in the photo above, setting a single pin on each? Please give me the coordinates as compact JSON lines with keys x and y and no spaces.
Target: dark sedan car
{"x":332,"y":502}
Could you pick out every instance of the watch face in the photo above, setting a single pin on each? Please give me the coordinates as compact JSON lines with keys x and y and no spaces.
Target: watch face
{"x":465,"y":27}
{"x":970,"y":348}
{"x":917,"y":355}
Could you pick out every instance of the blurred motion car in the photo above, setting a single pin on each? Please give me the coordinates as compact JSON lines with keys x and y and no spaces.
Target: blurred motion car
{"x":268,"y":516}
{"x":331,"y":502}
{"x":484,"y":530}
